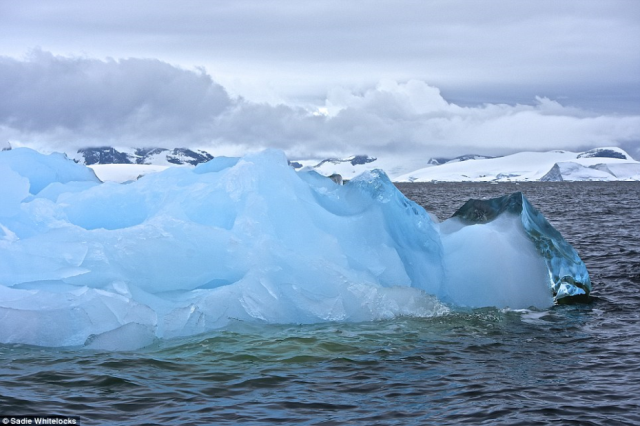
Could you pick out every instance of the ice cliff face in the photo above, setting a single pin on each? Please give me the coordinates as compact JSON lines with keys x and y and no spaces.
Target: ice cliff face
{"x":186,"y":250}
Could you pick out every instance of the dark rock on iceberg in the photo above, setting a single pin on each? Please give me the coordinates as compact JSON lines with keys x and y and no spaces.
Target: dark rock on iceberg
{"x":568,"y":275}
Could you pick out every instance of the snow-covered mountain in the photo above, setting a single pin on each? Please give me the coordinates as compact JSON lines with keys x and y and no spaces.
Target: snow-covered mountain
{"x":346,"y":167}
{"x":149,"y":156}
{"x":439,"y":161}
{"x":126,"y":164}
{"x":600,"y":164}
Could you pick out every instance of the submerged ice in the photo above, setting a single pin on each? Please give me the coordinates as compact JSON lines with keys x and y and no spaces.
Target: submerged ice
{"x":184,"y":251}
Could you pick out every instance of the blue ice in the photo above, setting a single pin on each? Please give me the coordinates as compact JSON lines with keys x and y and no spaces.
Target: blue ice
{"x":185,"y":251}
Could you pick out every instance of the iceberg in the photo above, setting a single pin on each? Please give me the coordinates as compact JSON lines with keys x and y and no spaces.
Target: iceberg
{"x":184,"y":251}
{"x":513,"y":217}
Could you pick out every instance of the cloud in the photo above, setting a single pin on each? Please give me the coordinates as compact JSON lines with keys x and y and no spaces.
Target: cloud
{"x":87,"y":101}
{"x":582,"y":51}
{"x":414,"y":116}
{"x":69,"y":102}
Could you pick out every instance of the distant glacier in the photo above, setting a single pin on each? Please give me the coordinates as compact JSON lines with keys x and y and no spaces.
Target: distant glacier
{"x":599,"y":164}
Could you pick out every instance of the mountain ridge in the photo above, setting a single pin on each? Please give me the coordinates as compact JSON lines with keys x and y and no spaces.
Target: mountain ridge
{"x":598,"y":164}
{"x":148,"y":156}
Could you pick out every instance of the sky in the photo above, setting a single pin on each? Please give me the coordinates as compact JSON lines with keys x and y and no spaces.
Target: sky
{"x":405,"y":79}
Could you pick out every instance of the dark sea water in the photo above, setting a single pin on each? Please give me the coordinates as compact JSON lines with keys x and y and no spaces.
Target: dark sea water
{"x":576,"y":364}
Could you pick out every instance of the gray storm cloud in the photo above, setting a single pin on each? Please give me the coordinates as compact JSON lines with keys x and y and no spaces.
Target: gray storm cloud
{"x":88,"y":101}
{"x":583,"y":52}
{"x":68,"y":102}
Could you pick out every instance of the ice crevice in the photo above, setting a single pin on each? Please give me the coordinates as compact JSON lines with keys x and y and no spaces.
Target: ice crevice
{"x":184,"y":251}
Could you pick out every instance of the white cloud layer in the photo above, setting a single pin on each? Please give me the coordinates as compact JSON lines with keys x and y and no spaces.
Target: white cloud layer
{"x":583,"y":52}
{"x":63,"y":103}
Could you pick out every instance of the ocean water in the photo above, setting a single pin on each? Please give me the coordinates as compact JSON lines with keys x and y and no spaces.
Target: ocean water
{"x":575,"y":364}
